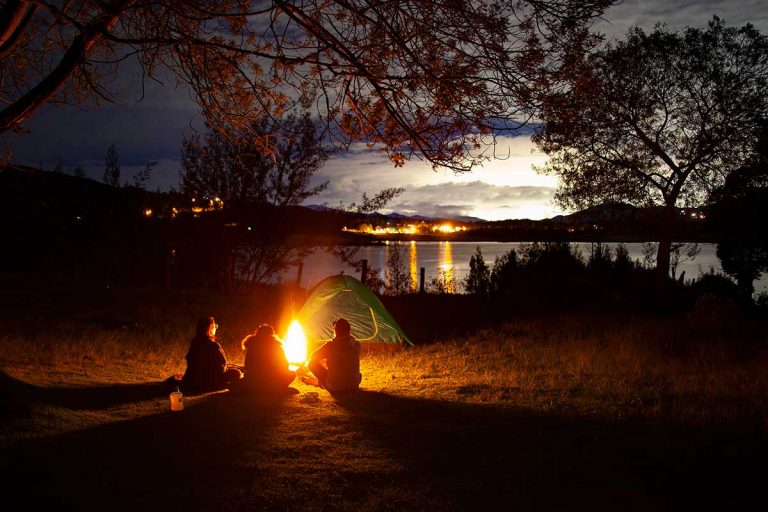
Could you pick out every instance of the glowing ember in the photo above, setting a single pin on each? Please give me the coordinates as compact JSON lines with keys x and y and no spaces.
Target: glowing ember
{"x":295,"y":345}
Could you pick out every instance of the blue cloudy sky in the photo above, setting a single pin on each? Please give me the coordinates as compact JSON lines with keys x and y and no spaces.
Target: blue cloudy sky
{"x":150,"y":128}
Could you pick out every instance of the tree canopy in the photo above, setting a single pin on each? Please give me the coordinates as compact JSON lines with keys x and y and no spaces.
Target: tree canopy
{"x":414,"y":77}
{"x":739,"y":214}
{"x":657,"y":119}
{"x":233,"y":168}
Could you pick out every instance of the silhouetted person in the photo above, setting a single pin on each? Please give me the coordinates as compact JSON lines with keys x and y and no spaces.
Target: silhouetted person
{"x":206,"y":363}
{"x":336,"y":365}
{"x":266,"y":367}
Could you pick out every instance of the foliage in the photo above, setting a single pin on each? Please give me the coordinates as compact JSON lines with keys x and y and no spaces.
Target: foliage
{"x":406,"y":76}
{"x":556,"y":274}
{"x":397,"y":278}
{"x":537,"y":272}
{"x":717,"y":285}
{"x":375,"y":203}
{"x":739,"y":214}
{"x":479,"y":279}
{"x":657,"y":119}
{"x":599,"y":260}
{"x":230,"y":166}
{"x":680,"y":253}
{"x":141,"y":178}
{"x":374,"y":281}
{"x":743,"y":261}
{"x":443,"y":284}
{"x":112,"y":167}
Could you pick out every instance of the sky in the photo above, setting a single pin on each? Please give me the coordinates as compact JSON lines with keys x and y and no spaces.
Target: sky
{"x":150,"y":127}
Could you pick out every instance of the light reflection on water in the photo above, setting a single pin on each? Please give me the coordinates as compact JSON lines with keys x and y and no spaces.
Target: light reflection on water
{"x":443,"y":259}
{"x":446,"y":267}
{"x":413,"y":266}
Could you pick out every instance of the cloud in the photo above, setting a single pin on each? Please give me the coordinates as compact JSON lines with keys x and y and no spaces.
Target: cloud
{"x":502,"y":188}
{"x":477,"y":199}
{"x":677,"y":15}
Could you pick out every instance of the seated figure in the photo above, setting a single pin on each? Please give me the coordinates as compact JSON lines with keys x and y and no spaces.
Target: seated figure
{"x":336,"y":365}
{"x":266,"y":367}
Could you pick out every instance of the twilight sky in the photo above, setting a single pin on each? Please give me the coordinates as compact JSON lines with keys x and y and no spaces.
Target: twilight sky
{"x":503,"y":188}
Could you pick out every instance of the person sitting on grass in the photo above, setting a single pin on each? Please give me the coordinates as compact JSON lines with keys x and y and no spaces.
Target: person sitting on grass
{"x":206,"y":362}
{"x":336,"y":365}
{"x":266,"y":367}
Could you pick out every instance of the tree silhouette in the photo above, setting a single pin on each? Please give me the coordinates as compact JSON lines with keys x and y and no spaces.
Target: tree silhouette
{"x":397,"y":279}
{"x":250,"y":184}
{"x":112,"y":167}
{"x":739,"y":217}
{"x":141,"y":177}
{"x":657,"y":119}
{"x":478,"y":281}
{"x":423,"y":77}
{"x":233,"y":169}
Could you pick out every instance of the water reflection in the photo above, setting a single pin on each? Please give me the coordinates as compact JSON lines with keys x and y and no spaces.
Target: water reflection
{"x":446,"y":267}
{"x":389,"y":246}
{"x":436,"y":258}
{"x":413,"y":265}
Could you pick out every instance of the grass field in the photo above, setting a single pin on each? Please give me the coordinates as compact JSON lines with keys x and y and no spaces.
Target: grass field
{"x":561,"y":411}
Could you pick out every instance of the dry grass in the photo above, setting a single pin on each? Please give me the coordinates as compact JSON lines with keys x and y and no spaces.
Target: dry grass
{"x":561,"y":411}
{"x":607,"y":367}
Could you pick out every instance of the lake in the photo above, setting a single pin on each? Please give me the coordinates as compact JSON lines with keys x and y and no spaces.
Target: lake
{"x":451,"y":260}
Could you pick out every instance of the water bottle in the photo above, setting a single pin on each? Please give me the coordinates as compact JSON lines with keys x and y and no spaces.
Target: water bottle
{"x":177,"y":400}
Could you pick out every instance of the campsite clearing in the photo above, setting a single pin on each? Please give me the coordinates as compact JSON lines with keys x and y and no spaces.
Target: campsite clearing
{"x":567,"y":412}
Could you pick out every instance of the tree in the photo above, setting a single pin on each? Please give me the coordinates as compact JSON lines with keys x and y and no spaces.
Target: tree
{"x":141,"y":178}
{"x":478,"y":281}
{"x":397,"y":279}
{"x":657,"y":119}
{"x":233,"y":168}
{"x":739,"y":216}
{"x":680,"y":253}
{"x":112,"y":167}
{"x":414,"y":77}
{"x":250,"y":184}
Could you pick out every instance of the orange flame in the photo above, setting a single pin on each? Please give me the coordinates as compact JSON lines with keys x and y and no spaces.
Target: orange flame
{"x":295,"y":345}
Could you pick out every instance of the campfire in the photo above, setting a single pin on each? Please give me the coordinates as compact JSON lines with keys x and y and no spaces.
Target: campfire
{"x":295,"y":345}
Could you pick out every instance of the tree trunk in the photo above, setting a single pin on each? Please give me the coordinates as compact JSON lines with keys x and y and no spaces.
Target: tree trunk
{"x":665,"y":247}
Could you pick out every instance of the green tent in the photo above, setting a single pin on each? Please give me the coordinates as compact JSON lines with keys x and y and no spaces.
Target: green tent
{"x":343,"y":296}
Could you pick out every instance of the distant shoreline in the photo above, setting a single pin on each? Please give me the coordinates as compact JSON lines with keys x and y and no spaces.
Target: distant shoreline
{"x":360,"y":239}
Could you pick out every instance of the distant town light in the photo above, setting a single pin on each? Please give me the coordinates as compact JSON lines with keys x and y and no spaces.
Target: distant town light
{"x":407,"y":229}
{"x":148,"y":212}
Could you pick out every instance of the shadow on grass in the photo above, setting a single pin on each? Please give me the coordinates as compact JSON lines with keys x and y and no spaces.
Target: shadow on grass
{"x":483,"y":457}
{"x":230,"y":452}
{"x":16,"y":395}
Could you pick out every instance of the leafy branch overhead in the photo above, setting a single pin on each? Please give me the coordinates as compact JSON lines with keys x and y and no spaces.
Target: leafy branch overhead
{"x":427,"y":78}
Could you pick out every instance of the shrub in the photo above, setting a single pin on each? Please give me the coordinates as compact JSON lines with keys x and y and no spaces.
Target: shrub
{"x":479,"y":279}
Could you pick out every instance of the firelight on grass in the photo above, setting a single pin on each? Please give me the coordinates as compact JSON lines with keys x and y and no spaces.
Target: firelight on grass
{"x":295,"y":345}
